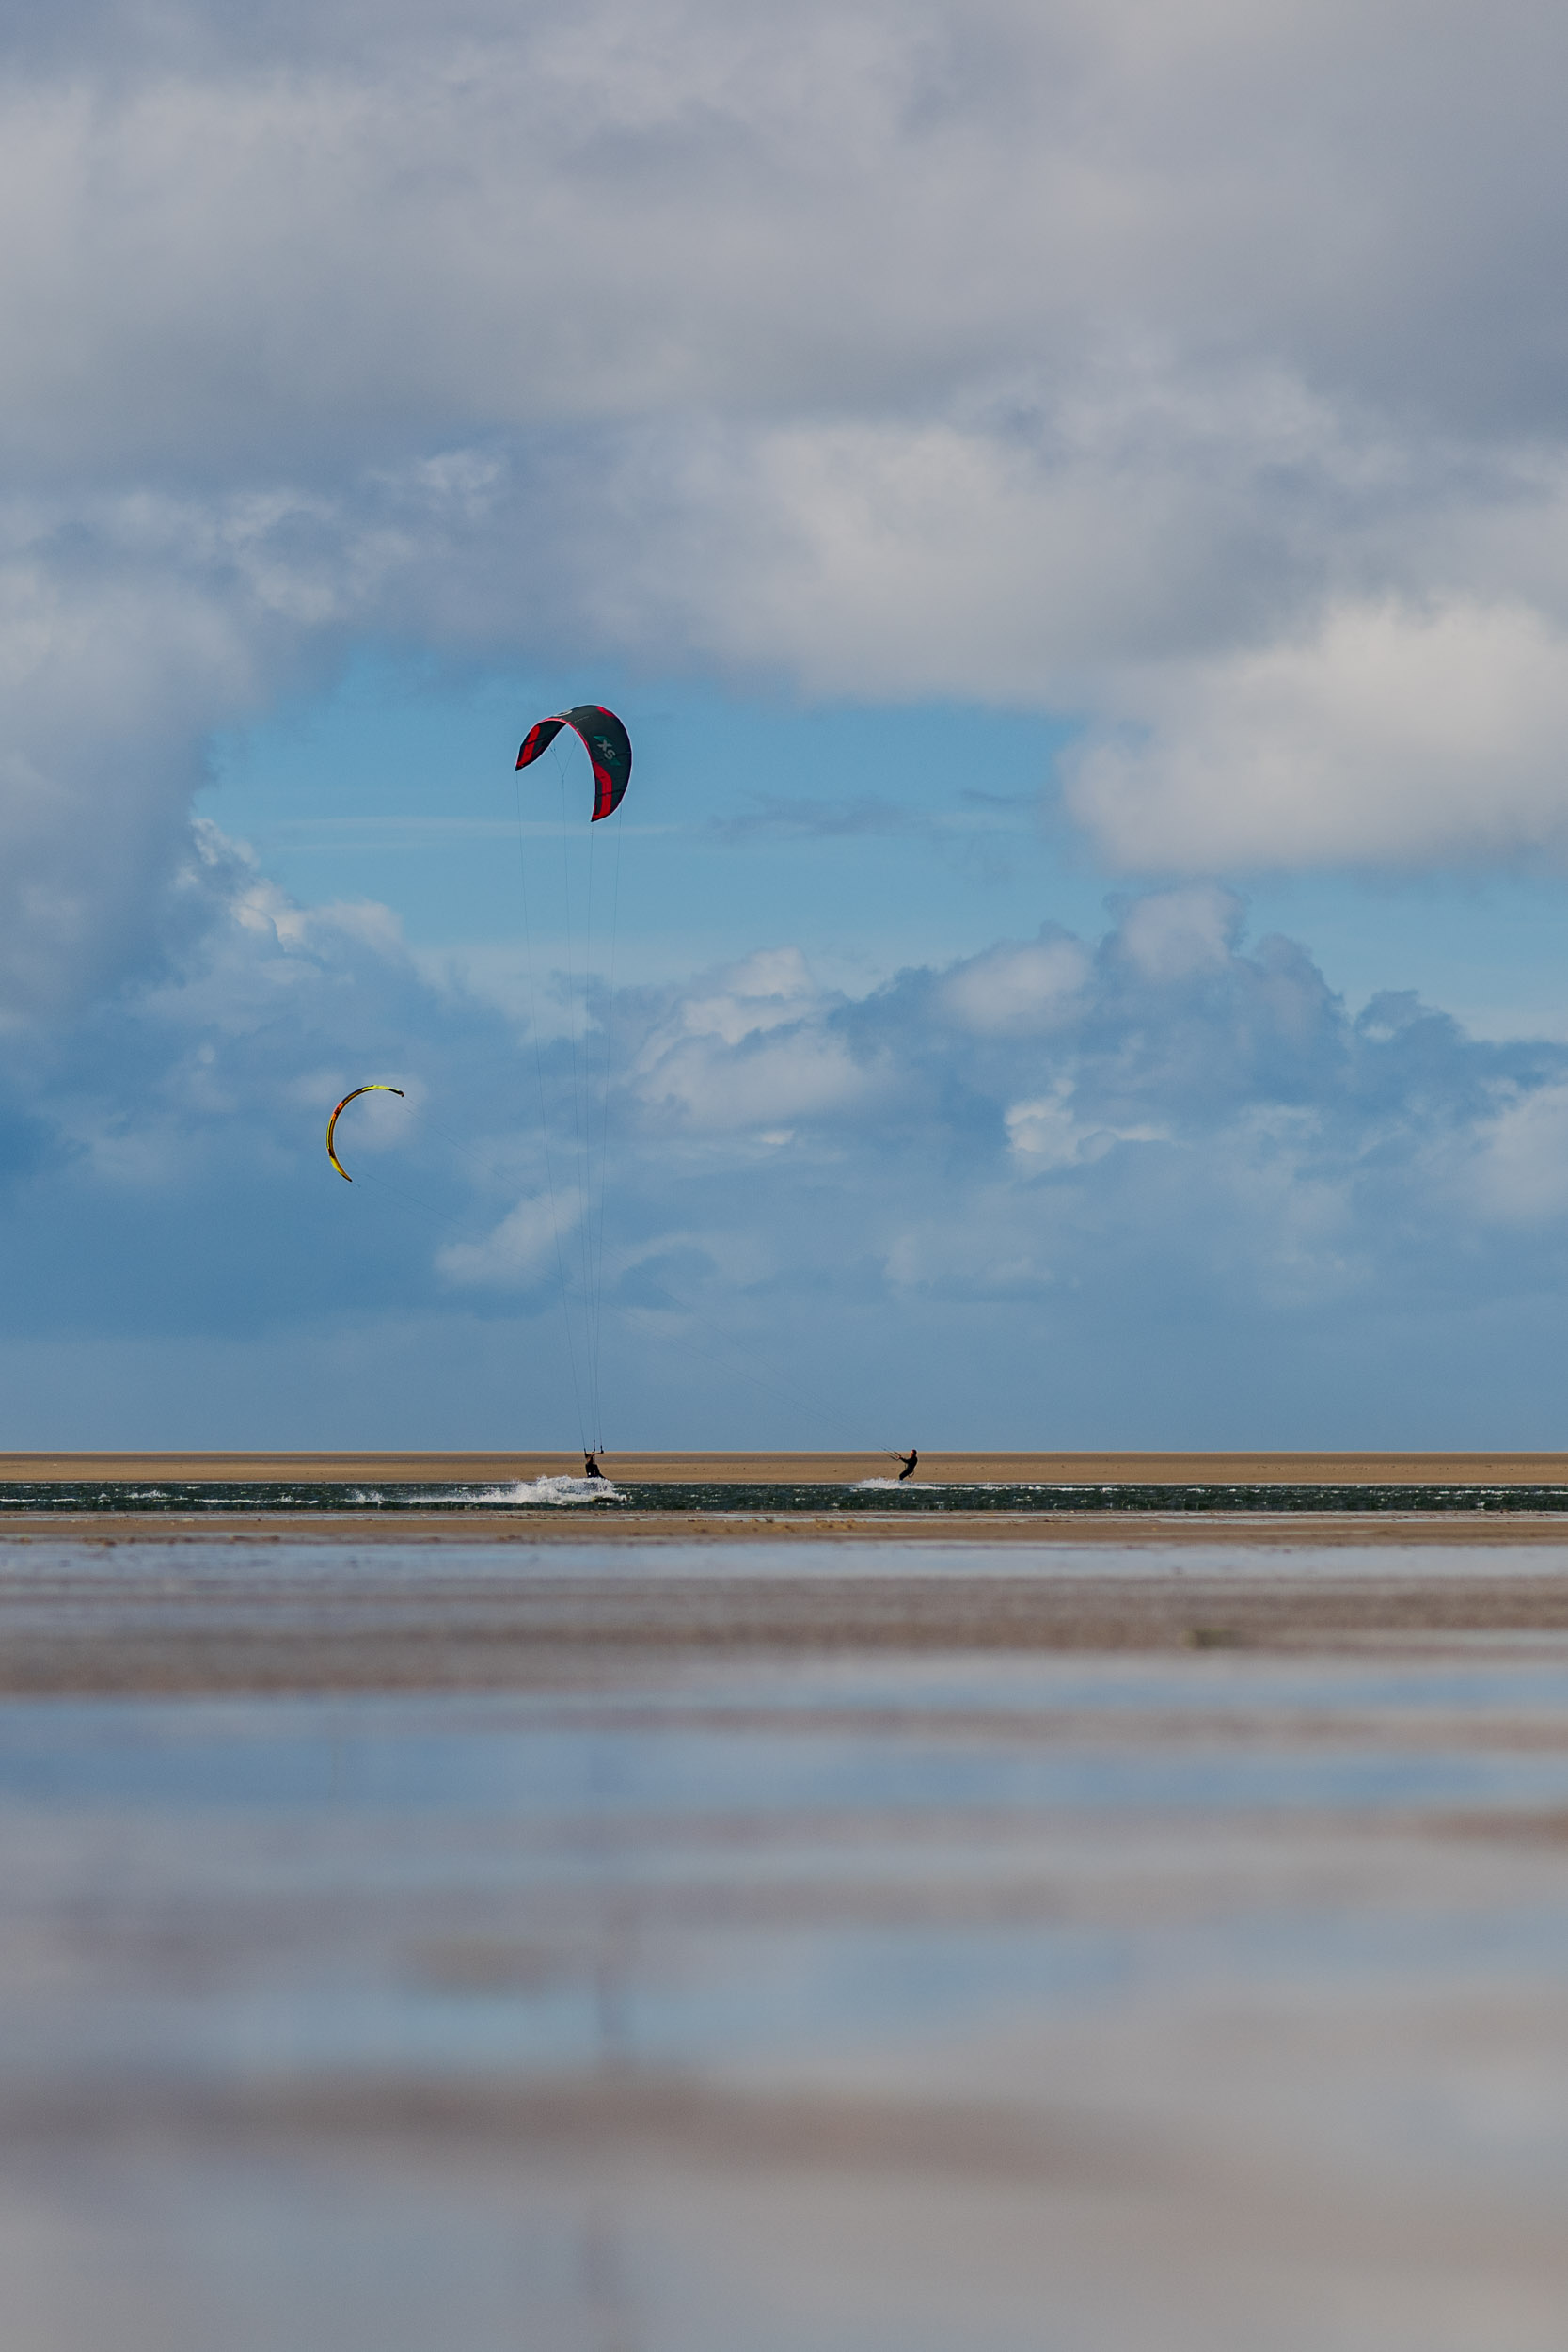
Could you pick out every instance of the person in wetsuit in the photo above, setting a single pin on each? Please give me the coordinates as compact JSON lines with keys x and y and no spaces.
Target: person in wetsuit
{"x":591,"y":1466}
{"x":907,"y":1471}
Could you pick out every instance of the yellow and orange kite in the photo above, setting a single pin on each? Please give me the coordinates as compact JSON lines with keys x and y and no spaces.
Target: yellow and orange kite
{"x":372,"y":1089}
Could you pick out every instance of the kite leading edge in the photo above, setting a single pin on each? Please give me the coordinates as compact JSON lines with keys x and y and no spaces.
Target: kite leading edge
{"x":372,"y":1089}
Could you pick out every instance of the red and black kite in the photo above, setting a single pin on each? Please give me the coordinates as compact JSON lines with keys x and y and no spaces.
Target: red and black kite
{"x":607,"y":744}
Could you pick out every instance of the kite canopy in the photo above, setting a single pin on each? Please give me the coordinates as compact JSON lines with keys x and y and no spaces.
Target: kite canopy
{"x":606,"y":743}
{"x":371,"y":1089}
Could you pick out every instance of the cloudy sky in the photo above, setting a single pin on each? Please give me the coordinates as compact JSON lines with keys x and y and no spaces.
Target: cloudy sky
{"x":1073,"y":502}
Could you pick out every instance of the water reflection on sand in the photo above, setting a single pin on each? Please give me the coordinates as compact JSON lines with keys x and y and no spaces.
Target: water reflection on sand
{"x":891,"y":1998}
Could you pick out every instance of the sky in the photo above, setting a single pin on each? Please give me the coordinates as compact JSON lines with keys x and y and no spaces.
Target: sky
{"x":1071,"y":502}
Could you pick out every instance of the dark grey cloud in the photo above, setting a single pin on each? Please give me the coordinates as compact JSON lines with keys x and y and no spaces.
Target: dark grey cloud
{"x":852,"y":208}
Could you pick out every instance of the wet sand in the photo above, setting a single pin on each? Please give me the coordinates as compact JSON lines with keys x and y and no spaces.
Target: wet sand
{"x":1279,"y":1531}
{"x":525,"y":1601}
{"x":1141,"y":1937}
{"x":259,"y":1612}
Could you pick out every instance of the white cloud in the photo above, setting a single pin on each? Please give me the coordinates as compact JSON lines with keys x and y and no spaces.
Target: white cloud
{"x":1175,"y":933}
{"x":791,"y":1076}
{"x":1393,"y":734}
{"x":521,"y":1248}
{"x":129,"y":627}
{"x":1014,"y":990}
{"x":759,"y":993}
{"x":1048,"y":1133}
{"x":1520,"y":1171}
{"x":752,"y":1051}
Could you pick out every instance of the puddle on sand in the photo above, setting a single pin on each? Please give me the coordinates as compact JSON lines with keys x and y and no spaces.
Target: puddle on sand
{"x":927,"y":2002}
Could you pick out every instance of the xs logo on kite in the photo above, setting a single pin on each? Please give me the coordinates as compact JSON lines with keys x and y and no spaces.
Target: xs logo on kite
{"x":605,"y":741}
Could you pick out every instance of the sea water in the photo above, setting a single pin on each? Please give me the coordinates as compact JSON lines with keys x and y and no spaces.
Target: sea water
{"x":867,"y":1495}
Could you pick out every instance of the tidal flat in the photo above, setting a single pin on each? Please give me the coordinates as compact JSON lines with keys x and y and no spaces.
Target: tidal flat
{"x":880,"y":1940}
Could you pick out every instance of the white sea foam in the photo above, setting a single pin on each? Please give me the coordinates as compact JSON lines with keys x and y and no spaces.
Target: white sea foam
{"x":864,"y":1484}
{"x":527,"y":1493}
{"x":553,"y":1491}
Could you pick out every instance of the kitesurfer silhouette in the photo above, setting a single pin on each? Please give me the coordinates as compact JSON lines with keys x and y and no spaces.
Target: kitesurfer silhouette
{"x":591,"y":1465}
{"x":907,"y":1471}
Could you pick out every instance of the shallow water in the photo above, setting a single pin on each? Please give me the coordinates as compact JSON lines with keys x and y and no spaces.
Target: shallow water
{"x":875,"y":1496}
{"x":287,"y":1556}
{"x":874,"y":2002}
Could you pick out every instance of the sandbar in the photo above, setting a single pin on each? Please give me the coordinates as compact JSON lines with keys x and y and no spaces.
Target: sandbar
{"x":939,"y":1468}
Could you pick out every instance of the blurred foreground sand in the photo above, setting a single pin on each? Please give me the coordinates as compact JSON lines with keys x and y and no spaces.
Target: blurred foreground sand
{"x":604,"y":1947}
